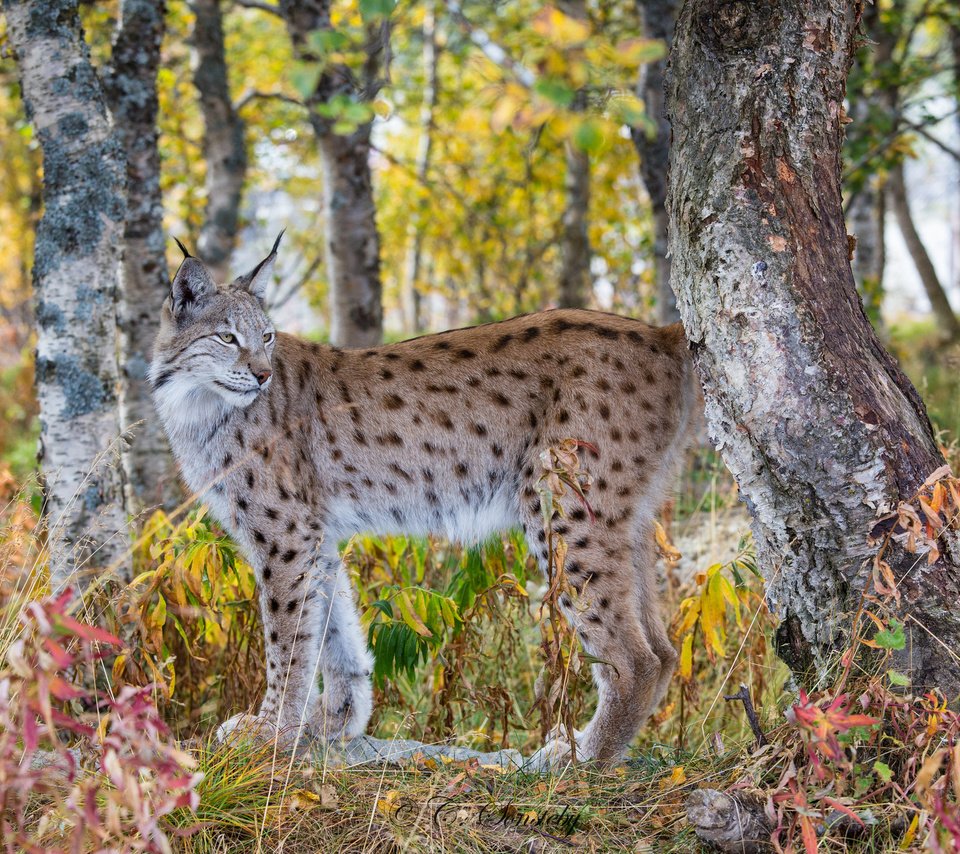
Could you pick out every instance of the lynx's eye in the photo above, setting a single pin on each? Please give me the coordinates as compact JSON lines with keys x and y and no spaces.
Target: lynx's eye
{"x":268,"y":337}
{"x":227,"y":337}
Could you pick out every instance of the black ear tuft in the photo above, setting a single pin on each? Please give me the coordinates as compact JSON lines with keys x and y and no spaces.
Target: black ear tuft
{"x":183,"y":248}
{"x":258,"y":278}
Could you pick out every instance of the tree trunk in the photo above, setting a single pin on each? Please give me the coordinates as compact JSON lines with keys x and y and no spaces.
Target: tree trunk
{"x":352,"y":240}
{"x":813,"y":417}
{"x":76,"y":277}
{"x":659,"y":18}
{"x":412,"y":297}
{"x":942,"y":311}
{"x":575,"y":283}
{"x":224,"y":148}
{"x":131,"y":87}
{"x":866,"y":215}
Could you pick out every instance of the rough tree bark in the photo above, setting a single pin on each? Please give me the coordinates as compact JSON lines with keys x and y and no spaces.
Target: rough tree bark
{"x":942,"y":311}
{"x":659,"y":18}
{"x":812,"y":416}
{"x":224,"y":148}
{"x":130,"y":83}
{"x":76,"y":277}
{"x":412,"y":297}
{"x":352,"y":240}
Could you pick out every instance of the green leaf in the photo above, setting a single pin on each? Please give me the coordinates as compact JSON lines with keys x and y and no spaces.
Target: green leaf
{"x":554,"y":90}
{"x":371,"y":10}
{"x":898,"y":679}
{"x":883,"y":771}
{"x":304,"y":77}
{"x":892,"y":637}
{"x":588,"y":136}
{"x":324,"y":42}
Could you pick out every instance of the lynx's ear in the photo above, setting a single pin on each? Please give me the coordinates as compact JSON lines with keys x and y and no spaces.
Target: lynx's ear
{"x":258,"y":278}
{"x":191,"y":285}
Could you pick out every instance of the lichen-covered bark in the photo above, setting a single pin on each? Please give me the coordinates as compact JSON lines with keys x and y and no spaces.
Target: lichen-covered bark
{"x":812,"y":416}
{"x":224,"y":148}
{"x":131,"y":87}
{"x":76,"y":275}
{"x":653,"y":147}
{"x":352,"y":239}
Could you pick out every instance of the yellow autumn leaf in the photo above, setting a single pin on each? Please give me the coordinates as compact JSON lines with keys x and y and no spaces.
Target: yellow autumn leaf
{"x":907,"y":842}
{"x":686,"y":658}
{"x":410,"y":616}
{"x":930,"y":768}
{"x":677,"y":778}
{"x":562,"y":30}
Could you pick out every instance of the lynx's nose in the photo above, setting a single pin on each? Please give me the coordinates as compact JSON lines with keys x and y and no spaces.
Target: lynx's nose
{"x":262,"y":376}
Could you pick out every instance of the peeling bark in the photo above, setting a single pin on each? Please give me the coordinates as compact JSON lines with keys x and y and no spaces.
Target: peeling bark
{"x":352,"y":240}
{"x":734,"y":823}
{"x":659,"y":18}
{"x":410,"y":292}
{"x":76,"y":278}
{"x":131,"y":87}
{"x":224,"y":148}
{"x":817,"y":423}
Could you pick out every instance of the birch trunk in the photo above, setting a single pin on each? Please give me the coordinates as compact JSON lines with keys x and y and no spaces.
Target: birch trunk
{"x":352,"y":241}
{"x":812,"y":416}
{"x":659,"y":18}
{"x":412,"y":296}
{"x":76,"y":278}
{"x":131,"y":87}
{"x":224,"y":147}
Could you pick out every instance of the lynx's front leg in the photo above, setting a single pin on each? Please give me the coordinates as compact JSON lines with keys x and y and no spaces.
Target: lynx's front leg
{"x":346,"y":704}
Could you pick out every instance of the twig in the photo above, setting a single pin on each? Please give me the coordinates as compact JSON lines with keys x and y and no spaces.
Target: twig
{"x":270,"y":8}
{"x":254,"y":94}
{"x":744,"y":696}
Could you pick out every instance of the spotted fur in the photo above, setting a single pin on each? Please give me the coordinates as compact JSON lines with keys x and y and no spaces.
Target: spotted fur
{"x":296,"y":446}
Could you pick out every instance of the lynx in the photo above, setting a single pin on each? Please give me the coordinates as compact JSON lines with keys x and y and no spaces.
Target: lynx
{"x":296,"y":446}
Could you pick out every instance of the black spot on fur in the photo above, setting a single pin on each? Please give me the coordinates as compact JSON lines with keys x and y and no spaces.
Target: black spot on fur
{"x":393,"y":401}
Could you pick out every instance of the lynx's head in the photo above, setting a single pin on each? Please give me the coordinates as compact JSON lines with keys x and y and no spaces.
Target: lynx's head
{"x":215,"y":342}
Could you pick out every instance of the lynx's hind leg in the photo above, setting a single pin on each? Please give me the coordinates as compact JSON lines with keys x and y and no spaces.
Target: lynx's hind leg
{"x":602,"y":610}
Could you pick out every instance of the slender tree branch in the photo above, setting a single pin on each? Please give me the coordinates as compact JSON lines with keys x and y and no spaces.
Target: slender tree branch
{"x":743,"y":695}
{"x":269,"y":8}
{"x":256,"y":94}
{"x":920,"y":129}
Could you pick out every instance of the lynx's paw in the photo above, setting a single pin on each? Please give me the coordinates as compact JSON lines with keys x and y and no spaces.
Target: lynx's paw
{"x":260,"y":729}
{"x":555,"y":755}
{"x":343,"y":709}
